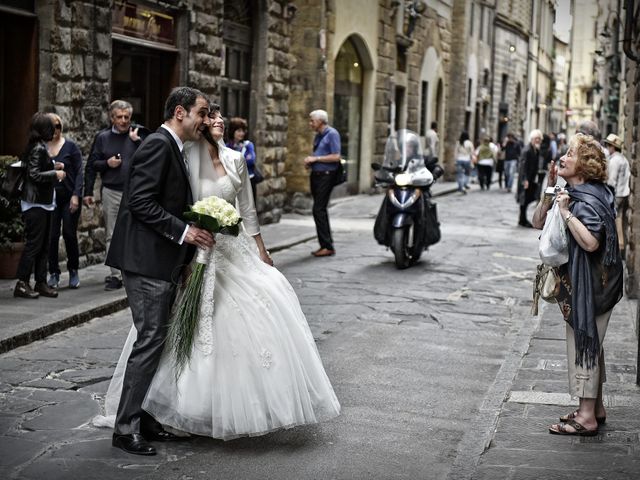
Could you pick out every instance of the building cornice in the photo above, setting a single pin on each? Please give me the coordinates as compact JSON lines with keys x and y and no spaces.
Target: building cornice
{"x":508,"y":24}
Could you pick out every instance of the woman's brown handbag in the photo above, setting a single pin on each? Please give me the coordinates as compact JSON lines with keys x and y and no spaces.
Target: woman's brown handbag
{"x":546,"y":286}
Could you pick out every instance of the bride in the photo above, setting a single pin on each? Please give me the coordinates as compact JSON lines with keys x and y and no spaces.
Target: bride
{"x":254,"y":365}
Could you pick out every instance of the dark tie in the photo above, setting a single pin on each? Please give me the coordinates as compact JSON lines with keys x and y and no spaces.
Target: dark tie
{"x":186,"y":163}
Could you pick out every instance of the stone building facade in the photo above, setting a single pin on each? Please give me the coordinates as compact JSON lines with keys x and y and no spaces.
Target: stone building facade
{"x":583,"y":46}
{"x":372,"y":73}
{"x":540,"y":75}
{"x":510,"y":68}
{"x":630,"y":99}
{"x":561,"y":68}
{"x":89,"y":52}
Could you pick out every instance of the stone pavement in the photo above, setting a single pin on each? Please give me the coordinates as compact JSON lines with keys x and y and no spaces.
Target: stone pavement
{"x":522,"y":449}
{"x":24,"y":321}
{"x":45,"y":416}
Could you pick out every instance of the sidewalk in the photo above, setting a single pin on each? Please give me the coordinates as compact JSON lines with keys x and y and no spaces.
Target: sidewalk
{"x":522,"y":448}
{"x":24,"y":321}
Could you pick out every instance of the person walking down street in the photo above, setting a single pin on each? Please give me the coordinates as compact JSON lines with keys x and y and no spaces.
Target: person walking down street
{"x":512,"y":149}
{"x":432,"y":142}
{"x":111,"y":154}
{"x":463,"y":155}
{"x":68,"y":204}
{"x":324,"y":167}
{"x":238,"y":141}
{"x":485,"y":161}
{"x":530,"y":160}
{"x":618,"y":178}
{"x":499,"y":165}
{"x":37,"y":205}
{"x":544,"y":160}
{"x":591,"y":281}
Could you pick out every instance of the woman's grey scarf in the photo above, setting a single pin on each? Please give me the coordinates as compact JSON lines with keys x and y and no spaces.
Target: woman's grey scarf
{"x":583,"y":306}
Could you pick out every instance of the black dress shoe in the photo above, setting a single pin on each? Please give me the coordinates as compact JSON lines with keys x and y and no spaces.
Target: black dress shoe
{"x":162,"y":436}
{"x":134,"y":443}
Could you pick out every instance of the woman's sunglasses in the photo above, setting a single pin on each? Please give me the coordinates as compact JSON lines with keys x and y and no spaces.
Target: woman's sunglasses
{"x":57,"y":126}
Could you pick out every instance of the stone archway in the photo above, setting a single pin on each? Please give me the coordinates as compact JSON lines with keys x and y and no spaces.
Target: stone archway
{"x":352,"y":72}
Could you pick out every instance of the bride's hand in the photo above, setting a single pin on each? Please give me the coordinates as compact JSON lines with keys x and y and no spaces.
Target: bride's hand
{"x":266,"y":258}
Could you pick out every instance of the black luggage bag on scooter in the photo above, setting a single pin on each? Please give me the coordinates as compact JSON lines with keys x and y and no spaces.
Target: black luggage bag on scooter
{"x":381,"y":228}
{"x":432,"y":225}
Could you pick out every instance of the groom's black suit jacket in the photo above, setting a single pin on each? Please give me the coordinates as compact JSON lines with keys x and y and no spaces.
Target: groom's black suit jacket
{"x":150,"y":221}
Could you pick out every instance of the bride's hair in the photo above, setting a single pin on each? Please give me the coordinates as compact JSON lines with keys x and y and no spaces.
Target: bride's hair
{"x":207,"y":136}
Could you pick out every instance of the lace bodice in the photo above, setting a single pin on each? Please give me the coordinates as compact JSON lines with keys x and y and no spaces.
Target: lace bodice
{"x":213,"y":184}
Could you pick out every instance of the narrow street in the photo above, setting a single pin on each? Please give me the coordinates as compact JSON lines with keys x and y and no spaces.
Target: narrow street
{"x":420,"y":359}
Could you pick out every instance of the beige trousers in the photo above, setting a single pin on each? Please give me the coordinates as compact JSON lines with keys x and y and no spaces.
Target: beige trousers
{"x":584,"y":383}
{"x":110,"y":205}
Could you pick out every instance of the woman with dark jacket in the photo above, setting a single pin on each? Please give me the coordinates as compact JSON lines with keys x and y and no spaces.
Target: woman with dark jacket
{"x":68,"y":204}
{"x":37,"y":205}
{"x":591,"y":281}
{"x":530,"y":159}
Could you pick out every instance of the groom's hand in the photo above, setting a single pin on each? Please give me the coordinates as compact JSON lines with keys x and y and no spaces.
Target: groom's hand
{"x":199,"y":237}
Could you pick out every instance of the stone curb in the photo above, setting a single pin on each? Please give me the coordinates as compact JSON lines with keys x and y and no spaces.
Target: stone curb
{"x":71,"y":317}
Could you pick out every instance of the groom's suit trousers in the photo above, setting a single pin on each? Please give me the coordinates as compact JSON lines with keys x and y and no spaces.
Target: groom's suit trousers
{"x":150,"y":300}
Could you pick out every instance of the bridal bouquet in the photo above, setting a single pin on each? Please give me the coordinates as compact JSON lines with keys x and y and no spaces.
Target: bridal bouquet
{"x":217,"y":216}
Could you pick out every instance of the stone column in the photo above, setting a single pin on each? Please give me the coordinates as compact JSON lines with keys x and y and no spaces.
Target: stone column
{"x":307,"y":89}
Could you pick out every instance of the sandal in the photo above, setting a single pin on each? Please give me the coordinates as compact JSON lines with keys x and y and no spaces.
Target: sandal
{"x":580,"y":430}
{"x":574,"y":414}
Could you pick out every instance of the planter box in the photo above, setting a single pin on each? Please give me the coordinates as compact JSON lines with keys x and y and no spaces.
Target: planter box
{"x":9,"y":260}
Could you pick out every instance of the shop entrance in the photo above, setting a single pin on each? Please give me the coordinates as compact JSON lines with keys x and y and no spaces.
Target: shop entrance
{"x":143,"y":77}
{"x":18,"y":80}
{"x":347,"y":108}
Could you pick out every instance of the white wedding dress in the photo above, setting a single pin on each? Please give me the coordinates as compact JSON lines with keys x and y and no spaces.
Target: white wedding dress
{"x":254,"y":366}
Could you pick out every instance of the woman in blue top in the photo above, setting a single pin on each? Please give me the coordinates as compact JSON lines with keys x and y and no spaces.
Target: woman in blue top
{"x":67,"y":210}
{"x":238,"y":142}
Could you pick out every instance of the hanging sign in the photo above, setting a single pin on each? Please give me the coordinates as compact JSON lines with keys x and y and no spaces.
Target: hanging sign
{"x":138,"y":21}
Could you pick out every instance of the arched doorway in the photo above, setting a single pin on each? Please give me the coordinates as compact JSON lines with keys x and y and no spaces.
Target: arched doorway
{"x":347,"y":107}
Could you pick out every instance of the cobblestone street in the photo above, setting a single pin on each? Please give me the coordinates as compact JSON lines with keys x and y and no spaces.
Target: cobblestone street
{"x":440,"y":369}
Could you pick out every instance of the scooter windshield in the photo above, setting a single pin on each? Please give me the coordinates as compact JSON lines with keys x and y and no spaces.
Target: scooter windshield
{"x":403,"y":152}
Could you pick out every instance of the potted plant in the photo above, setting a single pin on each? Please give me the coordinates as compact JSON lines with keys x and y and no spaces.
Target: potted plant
{"x":11,"y":228}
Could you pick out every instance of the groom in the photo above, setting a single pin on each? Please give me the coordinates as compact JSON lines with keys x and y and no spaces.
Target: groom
{"x":151,"y":244}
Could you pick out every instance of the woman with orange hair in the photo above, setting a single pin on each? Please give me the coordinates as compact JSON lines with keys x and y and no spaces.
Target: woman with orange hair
{"x":591,"y":281}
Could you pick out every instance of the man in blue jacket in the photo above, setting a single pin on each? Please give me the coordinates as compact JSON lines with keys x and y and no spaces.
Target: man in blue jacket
{"x":324,"y":169}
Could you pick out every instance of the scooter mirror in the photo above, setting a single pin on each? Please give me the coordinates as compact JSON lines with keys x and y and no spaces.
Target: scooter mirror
{"x":376,"y":166}
{"x":437,"y":172}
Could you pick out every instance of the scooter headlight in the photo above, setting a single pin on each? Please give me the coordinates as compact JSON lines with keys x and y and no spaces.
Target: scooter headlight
{"x":403,"y":179}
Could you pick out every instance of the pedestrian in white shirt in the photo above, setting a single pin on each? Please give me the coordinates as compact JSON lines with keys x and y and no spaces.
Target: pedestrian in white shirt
{"x":432,"y":143}
{"x":619,"y":174}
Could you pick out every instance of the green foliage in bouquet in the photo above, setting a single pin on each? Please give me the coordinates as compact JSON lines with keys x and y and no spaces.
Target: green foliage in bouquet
{"x":184,"y":319}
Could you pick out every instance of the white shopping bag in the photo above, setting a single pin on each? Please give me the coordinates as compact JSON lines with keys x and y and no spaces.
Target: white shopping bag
{"x":554,"y":244}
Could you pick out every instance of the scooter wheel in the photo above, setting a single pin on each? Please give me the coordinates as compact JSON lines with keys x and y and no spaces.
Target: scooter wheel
{"x":400,"y":247}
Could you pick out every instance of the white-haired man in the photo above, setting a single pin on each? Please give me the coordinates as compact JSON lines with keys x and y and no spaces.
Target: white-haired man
{"x":112,"y":150}
{"x":324,"y":168}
